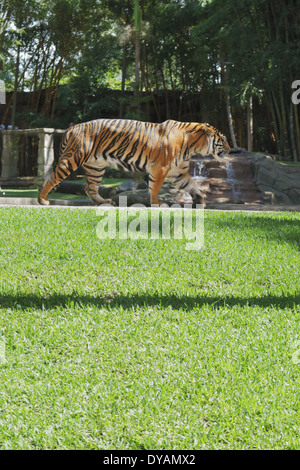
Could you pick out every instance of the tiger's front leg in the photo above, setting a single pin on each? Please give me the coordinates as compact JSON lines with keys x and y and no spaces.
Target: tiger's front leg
{"x":157,"y":176}
{"x":94,"y":174}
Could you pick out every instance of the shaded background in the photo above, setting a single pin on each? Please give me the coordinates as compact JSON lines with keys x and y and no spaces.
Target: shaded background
{"x":225,"y":62}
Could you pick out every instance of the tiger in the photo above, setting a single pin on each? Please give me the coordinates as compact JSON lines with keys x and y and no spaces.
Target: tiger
{"x":161,"y":150}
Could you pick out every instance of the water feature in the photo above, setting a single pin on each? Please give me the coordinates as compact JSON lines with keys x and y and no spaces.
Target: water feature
{"x":231,"y":178}
{"x":229,"y":181}
{"x":198,"y":170}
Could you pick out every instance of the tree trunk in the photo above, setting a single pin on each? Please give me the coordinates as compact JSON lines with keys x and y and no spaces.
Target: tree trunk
{"x":14,"y":104}
{"x":250,"y":124}
{"x":137,"y":62}
{"x":286,"y":143}
{"x":297,"y":130}
{"x":229,"y":117}
{"x":292,"y":133}
{"x":56,"y":88}
{"x":124,"y":69}
{"x":279,"y":126}
{"x":137,"y":44}
{"x":224,"y":75}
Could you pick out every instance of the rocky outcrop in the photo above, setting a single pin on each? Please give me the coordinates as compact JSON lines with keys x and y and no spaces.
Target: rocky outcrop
{"x":278,"y":182}
{"x":168,"y":194}
{"x":229,"y":181}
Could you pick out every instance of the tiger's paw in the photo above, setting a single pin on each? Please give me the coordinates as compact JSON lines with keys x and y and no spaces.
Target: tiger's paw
{"x":159,"y":204}
{"x":43,"y":202}
{"x":199,"y":200}
{"x":108,"y":202}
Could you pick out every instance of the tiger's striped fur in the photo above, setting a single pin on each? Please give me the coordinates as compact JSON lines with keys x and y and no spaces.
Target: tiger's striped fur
{"x":161,"y":150}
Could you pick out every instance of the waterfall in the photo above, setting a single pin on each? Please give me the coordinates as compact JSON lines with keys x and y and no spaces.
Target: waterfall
{"x":199,"y":171}
{"x":229,"y":181}
{"x":235,"y":183}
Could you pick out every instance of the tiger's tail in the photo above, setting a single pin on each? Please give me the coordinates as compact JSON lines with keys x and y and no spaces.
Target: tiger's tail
{"x":66,"y":165}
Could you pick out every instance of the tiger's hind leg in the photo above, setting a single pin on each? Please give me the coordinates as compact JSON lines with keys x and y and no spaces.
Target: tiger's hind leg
{"x":182,"y":180}
{"x":64,"y":167}
{"x":94,"y":174}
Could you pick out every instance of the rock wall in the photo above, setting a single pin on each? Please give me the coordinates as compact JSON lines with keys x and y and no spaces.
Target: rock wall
{"x":229,"y":181}
{"x":278,"y":183}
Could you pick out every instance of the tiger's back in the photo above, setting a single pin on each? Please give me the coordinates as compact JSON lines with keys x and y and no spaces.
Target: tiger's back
{"x":131,"y":144}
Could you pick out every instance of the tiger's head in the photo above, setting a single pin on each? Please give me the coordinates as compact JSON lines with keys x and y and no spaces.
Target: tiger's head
{"x":217,"y":146}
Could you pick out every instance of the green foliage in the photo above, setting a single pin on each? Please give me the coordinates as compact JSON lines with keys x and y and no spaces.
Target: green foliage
{"x":249,"y":48}
{"x":257,"y":40}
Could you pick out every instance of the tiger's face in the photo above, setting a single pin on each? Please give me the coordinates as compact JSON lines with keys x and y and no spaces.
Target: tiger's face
{"x":218,"y":146}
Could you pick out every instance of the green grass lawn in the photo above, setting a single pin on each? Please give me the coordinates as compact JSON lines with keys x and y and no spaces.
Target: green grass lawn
{"x":141,"y":344}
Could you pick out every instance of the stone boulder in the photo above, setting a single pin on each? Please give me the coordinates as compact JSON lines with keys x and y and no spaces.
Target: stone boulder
{"x":128,"y":185}
{"x":168,"y":195}
{"x":279,"y":183}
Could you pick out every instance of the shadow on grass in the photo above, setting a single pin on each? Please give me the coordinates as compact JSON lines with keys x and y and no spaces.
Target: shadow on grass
{"x":36,"y":301}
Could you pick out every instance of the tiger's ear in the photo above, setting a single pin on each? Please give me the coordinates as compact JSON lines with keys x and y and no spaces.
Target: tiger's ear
{"x":207,"y":131}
